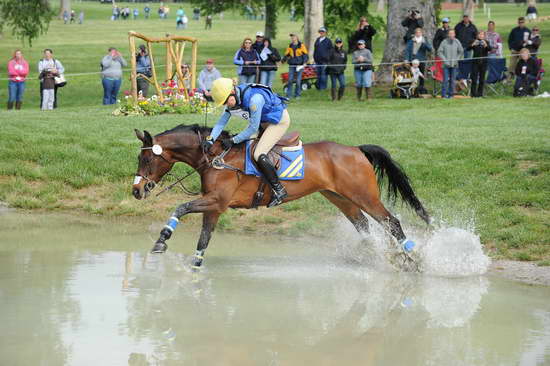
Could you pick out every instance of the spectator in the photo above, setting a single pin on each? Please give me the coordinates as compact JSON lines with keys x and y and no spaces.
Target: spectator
{"x":365,"y":32}
{"x":18,"y":69}
{"x":207,"y":76}
{"x":362,"y":60}
{"x":450,"y":51}
{"x":481,"y":49}
{"x":441,"y":33}
{"x":526,"y":74}
{"x":186,"y":77}
{"x":143,"y":67}
{"x":196,"y":14}
{"x":136,"y":13}
{"x":534,"y":42}
{"x":208,"y":22}
{"x":531,"y":12}
{"x":466,"y":33}
{"x":321,"y":56}
{"x":181,"y":19}
{"x":65,"y":16}
{"x":258,"y":46}
{"x":247,"y":60}
{"x":417,"y":49}
{"x":146,"y":11}
{"x":269,"y":56}
{"x":516,"y":41}
{"x":111,"y":72}
{"x":296,"y":56}
{"x":336,"y":68}
{"x":494,"y":40}
{"x":73,"y":16}
{"x":81,"y":17}
{"x":55,"y":67}
{"x":411,"y":22}
{"x":114,"y":15}
{"x":161,"y":12}
{"x":416,"y":72}
{"x":47,"y":81}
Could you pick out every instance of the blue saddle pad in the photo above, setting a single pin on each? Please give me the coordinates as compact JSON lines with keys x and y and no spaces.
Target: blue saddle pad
{"x":292,"y":164}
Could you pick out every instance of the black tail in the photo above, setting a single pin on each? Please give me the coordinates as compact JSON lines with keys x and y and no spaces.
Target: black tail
{"x":384,"y":165}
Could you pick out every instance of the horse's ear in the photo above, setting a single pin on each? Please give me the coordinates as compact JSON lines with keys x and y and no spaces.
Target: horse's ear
{"x":139,"y":135}
{"x":148,"y":140}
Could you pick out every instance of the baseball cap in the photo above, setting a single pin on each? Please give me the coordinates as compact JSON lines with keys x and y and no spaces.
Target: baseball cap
{"x":210,"y":61}
{"x":361,"y":41}
{"x":445,"y":20}
{"x":338,"y":40}
{"x":322,"y":29}
{"x":259,"y":34}
{"x":292,"y":34}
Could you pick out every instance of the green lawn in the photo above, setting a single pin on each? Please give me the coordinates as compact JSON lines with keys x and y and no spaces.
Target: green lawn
{"x":482,"y":163}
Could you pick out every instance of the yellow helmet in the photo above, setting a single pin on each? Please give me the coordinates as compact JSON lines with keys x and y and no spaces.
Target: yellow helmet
{"x":221,"y":89}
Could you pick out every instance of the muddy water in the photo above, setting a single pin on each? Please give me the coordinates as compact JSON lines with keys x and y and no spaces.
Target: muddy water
{"x":79,"y":291}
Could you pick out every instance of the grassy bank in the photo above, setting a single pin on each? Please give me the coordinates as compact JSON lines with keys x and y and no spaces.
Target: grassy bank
{"x":481,"y":162}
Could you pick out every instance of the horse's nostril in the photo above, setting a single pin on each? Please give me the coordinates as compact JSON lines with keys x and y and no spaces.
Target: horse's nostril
{"x":136,"y":194}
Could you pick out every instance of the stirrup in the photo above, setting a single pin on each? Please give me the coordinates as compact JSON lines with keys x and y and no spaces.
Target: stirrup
{"x":277,"y":197}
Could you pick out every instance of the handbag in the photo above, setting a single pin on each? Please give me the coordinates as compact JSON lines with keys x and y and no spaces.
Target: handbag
{"x":60,"y":81}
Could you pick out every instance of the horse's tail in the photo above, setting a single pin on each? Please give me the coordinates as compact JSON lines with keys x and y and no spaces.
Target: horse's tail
{"x":384,"y":165}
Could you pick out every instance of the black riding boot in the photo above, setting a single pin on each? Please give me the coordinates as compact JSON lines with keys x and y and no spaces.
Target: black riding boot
{"x":341,"y":91}
{"x":359,"y":93}
{"x":10,"y":105}
{"x":333,"y":94}
{"x":269,"y":173}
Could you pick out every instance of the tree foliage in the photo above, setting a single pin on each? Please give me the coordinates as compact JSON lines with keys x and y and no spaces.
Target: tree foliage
{"x":342,"y":16}
{"x":27,"y":19}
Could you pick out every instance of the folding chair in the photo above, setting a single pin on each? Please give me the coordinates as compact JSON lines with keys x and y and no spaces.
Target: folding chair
{"x":464,"y":73}
{"x":496,"y":76}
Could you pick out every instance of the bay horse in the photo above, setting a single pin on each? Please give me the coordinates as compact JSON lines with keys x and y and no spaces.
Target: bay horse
{"x":348,"y":176}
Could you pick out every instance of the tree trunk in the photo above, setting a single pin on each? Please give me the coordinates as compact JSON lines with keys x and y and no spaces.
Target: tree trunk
{"x":64,"y":5}
{"x":271,"y":19}
{"x":381,"y":6}
{"x":469,"y":8}
{"x":395,"y":45}
{"x":313,"y":20}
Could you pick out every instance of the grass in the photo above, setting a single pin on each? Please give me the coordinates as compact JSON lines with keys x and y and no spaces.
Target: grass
{"x":482,"y":163}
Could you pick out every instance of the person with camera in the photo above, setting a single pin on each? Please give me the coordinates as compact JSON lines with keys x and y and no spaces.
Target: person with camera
{"x":364,"y":31}
{"x":143,"y":68}
{"x":55,"y":68}
{"x":362,"y":61}
{"x":411,"y":22}
{"x":111,"y":73}
{"x":418,"y":48}
{"x":481,"y":49}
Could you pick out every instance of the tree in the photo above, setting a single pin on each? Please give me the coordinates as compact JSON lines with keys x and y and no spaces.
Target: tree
{"x":313,"y":20}
{"x":381,"y":6}
{"x":27,"y":19}
{"x":271,"y":19}
{"x":469,"y":7}
{"x":64,"y":5}
{"x":395,"y":45}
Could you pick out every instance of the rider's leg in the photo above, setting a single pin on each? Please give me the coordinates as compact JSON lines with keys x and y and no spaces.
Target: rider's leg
{"x":270,"y":137}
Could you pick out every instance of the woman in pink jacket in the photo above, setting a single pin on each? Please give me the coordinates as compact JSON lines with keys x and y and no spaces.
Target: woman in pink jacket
{"x":18,"y":69}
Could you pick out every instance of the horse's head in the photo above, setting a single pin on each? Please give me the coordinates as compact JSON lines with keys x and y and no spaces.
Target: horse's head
{"x":153,"y":163}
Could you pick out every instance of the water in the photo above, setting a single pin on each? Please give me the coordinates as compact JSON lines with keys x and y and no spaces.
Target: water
{"x":80,"y":291}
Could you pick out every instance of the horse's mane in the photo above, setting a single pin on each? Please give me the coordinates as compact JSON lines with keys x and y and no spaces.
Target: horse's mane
{"x":203,"y":130}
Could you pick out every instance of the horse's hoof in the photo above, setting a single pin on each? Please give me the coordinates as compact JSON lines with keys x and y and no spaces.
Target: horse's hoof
{"x":159,"y":247}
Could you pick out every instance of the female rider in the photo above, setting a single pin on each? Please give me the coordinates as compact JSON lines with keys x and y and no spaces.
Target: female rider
{"x":256,"y":104}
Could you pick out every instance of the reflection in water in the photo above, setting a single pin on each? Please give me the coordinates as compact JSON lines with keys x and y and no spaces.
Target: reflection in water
{"x":99,"y":298}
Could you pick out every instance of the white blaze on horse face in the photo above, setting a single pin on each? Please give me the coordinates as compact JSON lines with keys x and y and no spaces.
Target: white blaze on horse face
{"x":157,"y":149}
{"x":137,"y":179}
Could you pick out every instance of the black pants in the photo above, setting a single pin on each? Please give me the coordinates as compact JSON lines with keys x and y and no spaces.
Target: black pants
{"x":478,"y":79}
{"x":143,"y":86}
{"x":421,"y":88}
{"x":54,"y":96}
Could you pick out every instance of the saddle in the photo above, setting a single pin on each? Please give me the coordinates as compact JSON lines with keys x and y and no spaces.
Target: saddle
{"x":287,"y":142}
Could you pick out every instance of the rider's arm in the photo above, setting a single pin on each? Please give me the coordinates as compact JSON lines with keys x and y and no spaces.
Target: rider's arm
{"x":256,"y":104}
{"x":218,"y":128}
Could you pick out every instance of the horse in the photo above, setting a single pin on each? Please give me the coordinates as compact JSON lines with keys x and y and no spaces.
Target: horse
{"x":348,"y":176}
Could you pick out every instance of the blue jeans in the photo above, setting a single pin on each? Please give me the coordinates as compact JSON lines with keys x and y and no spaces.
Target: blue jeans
{"x":363,"y":79}
{"x":247,"y":79}
{"x":294,"y":75}
{"x":321,"y":76}
{"x":337,"y":77}
{"x":110,"y":90}
{"x":448,"y":85}
{"x":267,"y":77}
{"x":16,"y":90}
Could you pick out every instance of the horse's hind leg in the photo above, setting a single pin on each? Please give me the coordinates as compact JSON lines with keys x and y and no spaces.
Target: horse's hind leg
{"x":350,"y":210}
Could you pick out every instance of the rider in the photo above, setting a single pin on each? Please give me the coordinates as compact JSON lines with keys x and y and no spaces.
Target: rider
{"x":257,"y":104}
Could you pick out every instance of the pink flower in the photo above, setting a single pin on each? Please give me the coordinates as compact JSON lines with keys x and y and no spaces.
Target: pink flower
{"x":126,"y":92}
{"x":182,"y":90}
{"x":191,"y":93}
{"x":163,"y":84}
{"x":171,"y":84}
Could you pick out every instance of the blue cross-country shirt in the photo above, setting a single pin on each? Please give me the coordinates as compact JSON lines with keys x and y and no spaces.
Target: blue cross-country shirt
{"x":258,"y":104}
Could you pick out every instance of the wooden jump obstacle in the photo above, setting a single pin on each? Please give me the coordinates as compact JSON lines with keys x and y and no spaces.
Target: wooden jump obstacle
{"x":175,"y":45}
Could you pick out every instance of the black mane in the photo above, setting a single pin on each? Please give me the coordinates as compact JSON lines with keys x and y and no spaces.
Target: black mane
{"x":204,"y":131}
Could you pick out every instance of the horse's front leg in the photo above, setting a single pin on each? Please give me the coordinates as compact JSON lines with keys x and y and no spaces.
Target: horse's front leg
{"x":209,"y":221}
{"x":203,"y":204}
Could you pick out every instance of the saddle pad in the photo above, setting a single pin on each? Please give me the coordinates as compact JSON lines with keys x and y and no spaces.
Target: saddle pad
{"x":291,"y":168}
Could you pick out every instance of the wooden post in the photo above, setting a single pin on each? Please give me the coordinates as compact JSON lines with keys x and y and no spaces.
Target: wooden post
{"x":133,"y":72}
{"x":153,"y":70}
{"x":194,"y":64}
{"x":169,"y":66}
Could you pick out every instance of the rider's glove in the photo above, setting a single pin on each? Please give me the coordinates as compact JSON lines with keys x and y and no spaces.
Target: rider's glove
{"x":207,"y":143}
{"x":227,"y":143}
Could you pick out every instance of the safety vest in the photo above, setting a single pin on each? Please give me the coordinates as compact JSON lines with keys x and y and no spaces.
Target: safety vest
{"x":273,"y":108}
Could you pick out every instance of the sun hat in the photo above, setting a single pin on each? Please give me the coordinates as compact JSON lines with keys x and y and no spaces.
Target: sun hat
{"x":259,"y":34}
{"x":445,"y":20}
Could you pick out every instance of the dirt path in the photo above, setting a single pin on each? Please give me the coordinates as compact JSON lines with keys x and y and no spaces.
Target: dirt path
{"x":527,"y":272}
